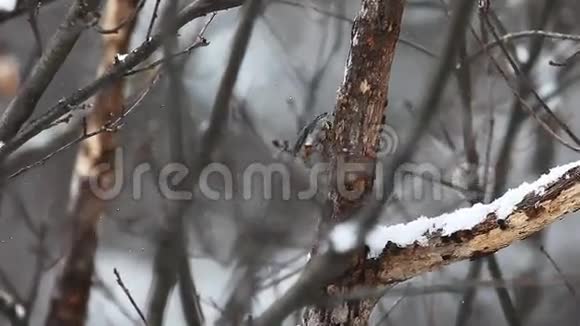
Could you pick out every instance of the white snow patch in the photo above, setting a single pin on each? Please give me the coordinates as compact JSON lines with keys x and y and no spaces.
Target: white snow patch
{"x":418,"y":231}
{"x":120,"y":57}
{"x":2,"y":144}
{"x":20,"y":311}
{"x":7,"y":5}
{"x":348,"y":65}
{"x":343,"y":237}
{"x":522,"y":53}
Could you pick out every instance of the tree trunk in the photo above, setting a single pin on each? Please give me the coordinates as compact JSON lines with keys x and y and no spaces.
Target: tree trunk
{"x":72,"y":290}
{"x":361,"y":105}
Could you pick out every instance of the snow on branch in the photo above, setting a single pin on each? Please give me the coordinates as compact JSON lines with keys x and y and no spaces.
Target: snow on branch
{"x":402,"y":251}
{"x":420,"y":230}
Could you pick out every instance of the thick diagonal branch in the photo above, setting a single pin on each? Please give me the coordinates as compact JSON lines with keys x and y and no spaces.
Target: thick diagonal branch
{"x":537,"y":209}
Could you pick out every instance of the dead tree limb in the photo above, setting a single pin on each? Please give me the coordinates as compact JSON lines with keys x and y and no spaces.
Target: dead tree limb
{"x":72,"y":291}
{"x":539,"y":207}
{"x":401,"y":252}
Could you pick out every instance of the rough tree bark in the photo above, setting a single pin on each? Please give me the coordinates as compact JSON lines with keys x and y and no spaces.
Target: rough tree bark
{"x":72,"y":290}
{"x":361,"y":105}
{"x":533,"y":213}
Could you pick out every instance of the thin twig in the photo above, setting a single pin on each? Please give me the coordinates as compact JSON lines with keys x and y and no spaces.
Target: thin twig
{"x":392,"y":308}
{"x":468,"y":297}
{"x":60,"y":45}
{"x":322,"y":65}
{"x":527,"y":107}
{"x":510,"y":37}
{"x":138,"y":55}
{"x":569,"y":60}
{"x":109,"y":294}
{"x":567,"y":282}
{"x":503,"y":294}
{"x":37,"y":52}
{"x":153,"y":17}
{"x":524,"y":79}
{"x":128,"y":294}
{"x":535,"y":48}
{"x":218,"y":122}
{"x":111,"y":126}
{"x":188,"y":292}
{"x":200,"y":41}
{"x":221,"y":104}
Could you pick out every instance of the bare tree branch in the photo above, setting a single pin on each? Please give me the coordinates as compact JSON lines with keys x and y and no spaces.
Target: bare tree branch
{"x":503,"y":295}
{"x":511,"y":37}
{"x":114,"y":73}
{"x":549,"y":200}
{"x":38,"y":46}
{"x":238,"y":303}
{"x":555,"y":195}
{"x":129,"y":296}
{"x":152,"y":21}
{"x":22,"y":106}
{"x":171,"y":261}
{"x":524,"y":81}
{"x":110,"y":126}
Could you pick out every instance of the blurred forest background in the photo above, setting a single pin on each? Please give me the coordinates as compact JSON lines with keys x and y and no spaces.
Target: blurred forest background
{"x":293,"y":66}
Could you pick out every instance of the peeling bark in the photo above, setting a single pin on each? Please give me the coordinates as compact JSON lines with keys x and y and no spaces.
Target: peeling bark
{"x":534,"y":213}
{"x":395,"y":264}
{"x":362,"y":101}
{"x":72,"y":291}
